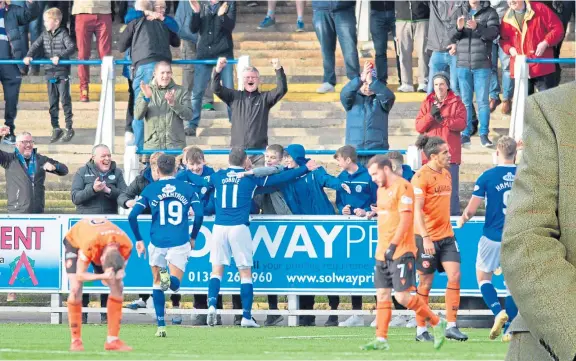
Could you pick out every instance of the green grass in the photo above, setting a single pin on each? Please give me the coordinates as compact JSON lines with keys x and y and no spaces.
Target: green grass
{"x":35,"y":342}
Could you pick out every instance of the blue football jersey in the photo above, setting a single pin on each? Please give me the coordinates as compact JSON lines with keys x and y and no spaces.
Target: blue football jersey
{"x":494,"y":187}
{"x":169,"y":201}
{"x":233,"y":196}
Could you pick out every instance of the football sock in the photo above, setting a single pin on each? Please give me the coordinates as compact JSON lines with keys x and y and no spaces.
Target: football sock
{"x":270,"y":13}
{"x":420,"y":330}
{"x":299,"y":18}
{"x":247,"y":297}
{"x":421,"y":309}
{"x":450,"y":325}
{"x":213,"y":290}
{"x":159,"y":305}
{"x":452,"y":301}
{"x":75,"y":319}
{"x":422,"y":294}
{"x":383,"y":316}
{"x":114,"y":316}
{"x":511,"y":308}
{"x":490,"y":297}
{"x":174,"y":283}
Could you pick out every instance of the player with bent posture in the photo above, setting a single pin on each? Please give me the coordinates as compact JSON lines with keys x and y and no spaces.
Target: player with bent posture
{"x":494,"y":187}
{"x":170,"y":201}
{"x":231,"y":235}
{"x":107,"y":248}
{"x":395,"y":254}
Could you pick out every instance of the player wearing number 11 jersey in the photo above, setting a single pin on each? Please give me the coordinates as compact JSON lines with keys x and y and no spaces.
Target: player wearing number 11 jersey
{"x":170,"y":201}
{"x":493,"y":187}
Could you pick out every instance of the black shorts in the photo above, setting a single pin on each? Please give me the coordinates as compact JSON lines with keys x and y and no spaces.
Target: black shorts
{"x":446,"y":251}
{"x":71,"y":259}
{"x":399,"y":274}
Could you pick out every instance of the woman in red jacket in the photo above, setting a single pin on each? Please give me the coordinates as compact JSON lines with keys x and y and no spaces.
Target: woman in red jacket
{"x":443,"y":114}
{"x":532,"y":29}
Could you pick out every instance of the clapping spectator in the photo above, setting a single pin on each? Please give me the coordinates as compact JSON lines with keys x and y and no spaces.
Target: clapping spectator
{"x":214,"y":22}
{"x":12,"y":46}
{"x":336,"y":20}
{"x":442,"y":114}
{"x":93,"y":18}
{"x":270,"y":19}
{"x":164,"y":106}
{"x":368,"y":103}
{"x":55,"y":44}
{"x":532,"y":29}
{"x":477,"y":26}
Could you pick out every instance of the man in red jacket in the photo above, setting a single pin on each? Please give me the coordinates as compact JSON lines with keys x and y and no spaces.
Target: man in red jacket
{"x":442,"y":114}
{"x":532,"y":29}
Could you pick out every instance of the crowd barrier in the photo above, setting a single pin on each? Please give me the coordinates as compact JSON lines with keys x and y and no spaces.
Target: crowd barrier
{"x":294,"y":255}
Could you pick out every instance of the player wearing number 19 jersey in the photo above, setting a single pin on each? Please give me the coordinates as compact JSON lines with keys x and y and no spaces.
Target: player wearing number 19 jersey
{"x":170,"y":201}
{"x":493,"y":187}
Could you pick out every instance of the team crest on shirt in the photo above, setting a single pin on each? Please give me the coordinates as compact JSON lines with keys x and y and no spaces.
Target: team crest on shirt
{"x":169,"y":188}
{"x":203,"y":190}
{"x":476,"y":187}
{"x":509,"y":177}
{"x":231,"y":174}
{"x":111,"y":177}
{"x":358,"y":188}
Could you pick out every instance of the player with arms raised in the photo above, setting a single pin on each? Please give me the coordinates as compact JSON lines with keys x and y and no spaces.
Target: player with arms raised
{"x":395,"y":254}
{"x":170,"y":201}
{"x":231,"y":236}
{"x":493,"y":187}
{"x":437,"y":246}
{"x":107,"y":248}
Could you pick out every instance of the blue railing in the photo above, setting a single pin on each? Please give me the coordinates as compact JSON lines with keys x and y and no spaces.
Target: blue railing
{"x":261,"y":151}
{"x":553,"y":61}
{"x":99,"y":62}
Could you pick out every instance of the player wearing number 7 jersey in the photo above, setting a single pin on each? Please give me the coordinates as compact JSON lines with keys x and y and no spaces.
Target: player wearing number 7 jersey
{"x":493,"y":187}
{"x":170,"y":201}
{"x":231,"y":236}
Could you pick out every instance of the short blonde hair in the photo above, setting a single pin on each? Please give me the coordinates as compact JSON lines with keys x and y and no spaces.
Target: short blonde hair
{"x":154,"y":158}
{"x":507,"y":147}
{"x":54,"y":13}
{"x":142,"y":5}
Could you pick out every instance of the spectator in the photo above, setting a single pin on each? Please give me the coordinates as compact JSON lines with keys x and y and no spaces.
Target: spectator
{"x":250,"y":108}
{"x":188,"y":52}
{"x":336,"y":20}
{"x":398,"y":166}
{"x":382,"y":19}
{"x":56,"y":44}
{"x":31,"y":31}
{"x":214,"y":22}
{"x":412,"y":18}
{"x":507,"y":86}
{"x":443,"y":56}
{"x":164,"y":106}
{"x":12,"y":47}
{"x":443,"y":114}
{"x":270,"y":19}
{"x":149,"y":38}
{"x":532,"y":29}
{"x":93,"y":18}
{"x":95,"y":190}
{"x":477,"y":26}
{"x":368,"y":103}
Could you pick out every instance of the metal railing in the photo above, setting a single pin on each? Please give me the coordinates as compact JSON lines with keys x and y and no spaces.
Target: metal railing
{"x":116,"y":62}
{"x":361,"y":152}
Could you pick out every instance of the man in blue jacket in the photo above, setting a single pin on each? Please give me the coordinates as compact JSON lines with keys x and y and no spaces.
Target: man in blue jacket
{"x":336,"y":20}
{"x":368,"y":103}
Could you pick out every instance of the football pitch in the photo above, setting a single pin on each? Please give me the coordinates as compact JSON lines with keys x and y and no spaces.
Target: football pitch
{"x":49,"y":342}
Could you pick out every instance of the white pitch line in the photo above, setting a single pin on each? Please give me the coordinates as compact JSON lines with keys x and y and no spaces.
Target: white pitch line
{"x":319,"y":336}
{"x":100,"y":353}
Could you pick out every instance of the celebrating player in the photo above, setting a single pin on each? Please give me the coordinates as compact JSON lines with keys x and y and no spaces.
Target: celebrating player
{"x":107,"y":248}
{"x":231,"y":235}
{"x":170,"y":201}
{"x":494,"y":188}
{"x":395,"y":253}
{"x":437,"y":247}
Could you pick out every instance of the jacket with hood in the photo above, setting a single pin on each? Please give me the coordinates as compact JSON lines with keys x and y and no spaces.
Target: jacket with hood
{"x":453,"y":114}
{"x":164,"y":124}
{"x":333,"y":5}
{"x":214,"y":31}
{"x":306,"y":195}
{"x":24,"y":194}
{"x":135,"y":188}
{"x":540,"y":23}
{"x":362,"y":188}
{"x":441,"y":22}
{"x":50,"y":44}
{"x":367,"y":116}
{"x":14,"y":17}
{"x":412,"y":11}
{"x":88,"y":201}
{"x":474,"y":47}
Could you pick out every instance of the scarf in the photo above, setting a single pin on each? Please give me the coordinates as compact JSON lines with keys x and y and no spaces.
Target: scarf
{"x":30,"y":166}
